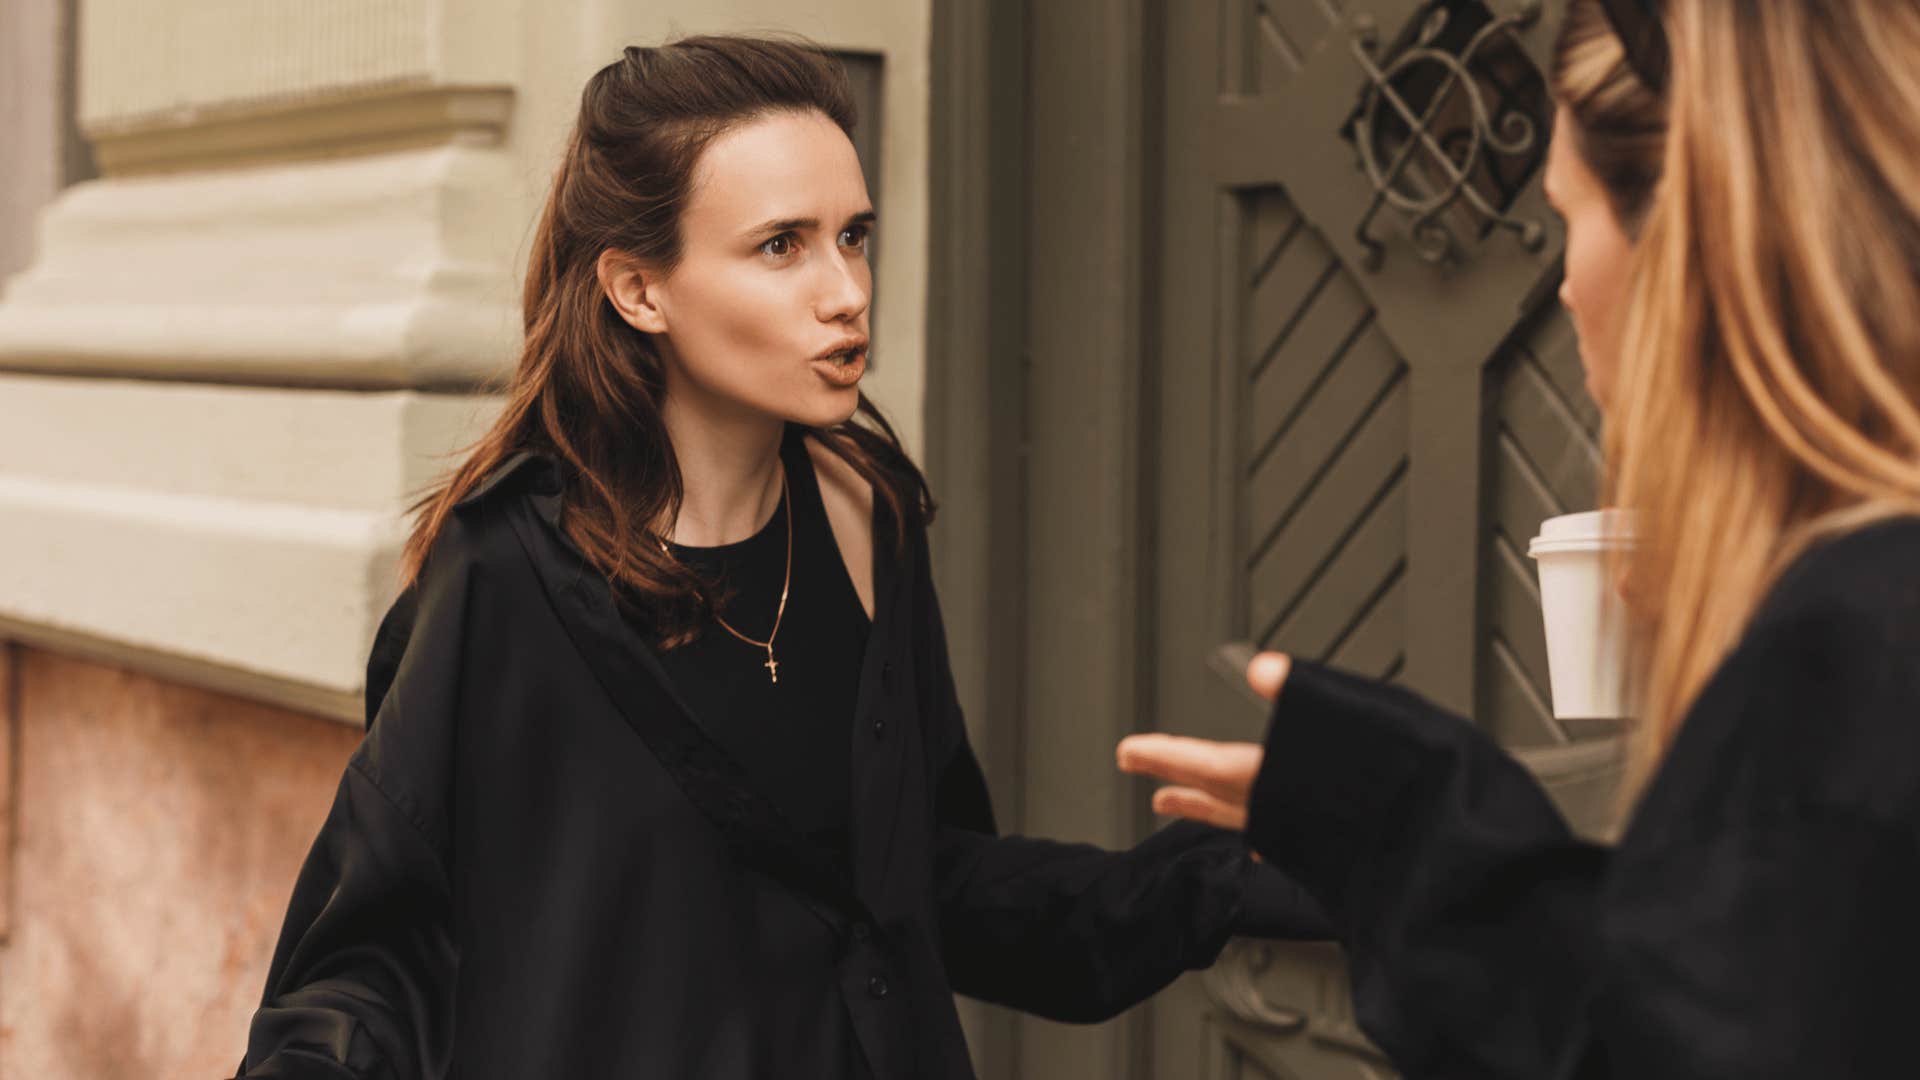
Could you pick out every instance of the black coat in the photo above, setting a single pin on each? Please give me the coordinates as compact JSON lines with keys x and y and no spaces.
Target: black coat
{"x":538,"y":864}
{"x":1759,"y":918}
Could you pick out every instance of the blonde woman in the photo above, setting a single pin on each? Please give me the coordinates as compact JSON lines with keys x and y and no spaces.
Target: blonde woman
{"x":1758,"y":918}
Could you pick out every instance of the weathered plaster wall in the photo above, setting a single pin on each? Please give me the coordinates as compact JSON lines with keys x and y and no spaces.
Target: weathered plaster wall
{"x":158,"y":831}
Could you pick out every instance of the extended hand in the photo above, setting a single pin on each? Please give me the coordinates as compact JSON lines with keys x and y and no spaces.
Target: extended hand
{"x":1211,"y":782}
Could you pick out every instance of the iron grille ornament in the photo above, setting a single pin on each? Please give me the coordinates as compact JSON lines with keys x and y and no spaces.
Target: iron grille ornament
{"x":1459,"y":114}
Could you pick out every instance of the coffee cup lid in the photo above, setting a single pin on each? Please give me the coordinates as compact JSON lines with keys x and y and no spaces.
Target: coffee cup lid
{"x":1592,"y":530}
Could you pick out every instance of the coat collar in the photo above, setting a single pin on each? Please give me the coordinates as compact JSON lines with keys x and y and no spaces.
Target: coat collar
{"x":634,"y":678}
{"x":528,"y":463}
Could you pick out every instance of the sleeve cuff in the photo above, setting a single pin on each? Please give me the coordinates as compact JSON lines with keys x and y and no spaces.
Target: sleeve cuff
{"x":1275,"y":907}
{"x":1342,"y":754}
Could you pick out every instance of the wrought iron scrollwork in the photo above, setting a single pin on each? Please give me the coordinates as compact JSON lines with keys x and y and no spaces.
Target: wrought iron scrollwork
{"x":1321,"y":1012}
{"x":1460,"y":157}
{"x":1233,"y":984}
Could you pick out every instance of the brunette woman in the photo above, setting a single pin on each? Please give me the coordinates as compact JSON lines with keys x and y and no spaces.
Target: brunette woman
{"x":1758,"y":917}
{"x":664,"y":775}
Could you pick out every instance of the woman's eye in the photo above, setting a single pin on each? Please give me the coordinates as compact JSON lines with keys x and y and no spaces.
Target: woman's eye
{"x":854,"y":236}
{"x":779,"y":247}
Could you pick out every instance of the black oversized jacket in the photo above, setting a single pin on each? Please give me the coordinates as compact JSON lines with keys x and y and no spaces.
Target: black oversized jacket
{"x":1760,"y":917}
{"x":538,"y":865}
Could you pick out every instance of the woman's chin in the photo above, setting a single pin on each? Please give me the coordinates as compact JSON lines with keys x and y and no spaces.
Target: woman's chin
{"x":826,"y":408}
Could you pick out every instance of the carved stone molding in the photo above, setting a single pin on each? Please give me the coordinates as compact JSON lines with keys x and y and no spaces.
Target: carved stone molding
{"x":238,"y":538}
{"x":362,"y":122}
{"x":1285,"y":1003}
{"x":1233,"y":983}
{"x":376,"y":271}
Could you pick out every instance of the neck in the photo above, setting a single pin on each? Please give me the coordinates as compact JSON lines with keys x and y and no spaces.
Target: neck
{"x":729,"y":468}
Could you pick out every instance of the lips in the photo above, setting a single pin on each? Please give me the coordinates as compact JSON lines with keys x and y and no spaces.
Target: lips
{"x":841,"y":368}
{"x":844,"y":364}
{"x":843,"y":351}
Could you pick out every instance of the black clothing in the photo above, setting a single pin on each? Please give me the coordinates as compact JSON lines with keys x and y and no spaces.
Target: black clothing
{"x":790,"y":736}
{"x":1759,"y":918}
{"x":541,"y":864}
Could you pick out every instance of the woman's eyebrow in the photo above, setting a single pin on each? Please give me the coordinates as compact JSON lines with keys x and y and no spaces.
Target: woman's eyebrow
{"x":801,"y":224}
{"x":780,"y":225}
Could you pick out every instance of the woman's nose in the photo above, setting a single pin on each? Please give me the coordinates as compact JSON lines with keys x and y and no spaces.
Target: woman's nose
{"x":844,"y":294}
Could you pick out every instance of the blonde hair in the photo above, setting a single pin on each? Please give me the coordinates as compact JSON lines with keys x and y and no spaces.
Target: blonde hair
{"x":1769,"y":391}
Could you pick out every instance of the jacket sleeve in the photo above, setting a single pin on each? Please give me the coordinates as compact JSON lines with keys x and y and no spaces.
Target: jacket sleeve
{"x":1755,"y":922}
{"x":361,"y":981}
{"x":1079,"y":933}
{"x":1076,"y":932}
{"x":1465,"y":902}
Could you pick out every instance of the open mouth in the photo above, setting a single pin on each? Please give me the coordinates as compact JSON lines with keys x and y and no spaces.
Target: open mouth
{"x":845,"y":356}
{"x":843,"y":367}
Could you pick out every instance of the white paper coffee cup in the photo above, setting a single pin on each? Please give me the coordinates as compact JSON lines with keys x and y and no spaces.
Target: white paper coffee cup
{"x":1588,"y":645}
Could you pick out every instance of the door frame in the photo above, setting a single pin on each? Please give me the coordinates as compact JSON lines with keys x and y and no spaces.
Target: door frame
{"x":1040,"y":307}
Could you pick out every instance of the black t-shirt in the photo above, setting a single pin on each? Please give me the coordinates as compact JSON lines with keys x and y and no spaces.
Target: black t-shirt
{"x":792,"y":735}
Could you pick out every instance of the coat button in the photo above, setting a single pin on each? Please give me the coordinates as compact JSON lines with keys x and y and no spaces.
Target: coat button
{"x":886,"y":675}
{"x":879,"y":727}
{"x":877,"y":986}
{"x":862,"y":932}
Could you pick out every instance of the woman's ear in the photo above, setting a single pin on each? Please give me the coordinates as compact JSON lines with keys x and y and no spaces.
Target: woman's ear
{"x":633,"y":291}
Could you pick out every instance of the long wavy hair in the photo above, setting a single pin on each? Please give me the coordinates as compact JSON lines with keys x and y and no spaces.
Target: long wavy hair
{"x":588,"y":388}
{"x":1769,"y":391}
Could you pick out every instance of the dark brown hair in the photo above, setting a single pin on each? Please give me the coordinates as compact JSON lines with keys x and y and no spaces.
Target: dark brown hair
{"x":1620,"y":123}
{"x":588,"y":387}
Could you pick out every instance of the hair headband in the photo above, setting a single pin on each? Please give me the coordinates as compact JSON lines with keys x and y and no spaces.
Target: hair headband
{"x":1643,"y":33}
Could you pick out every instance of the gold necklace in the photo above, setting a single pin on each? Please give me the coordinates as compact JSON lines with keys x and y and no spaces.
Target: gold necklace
{"x":772,"y":665}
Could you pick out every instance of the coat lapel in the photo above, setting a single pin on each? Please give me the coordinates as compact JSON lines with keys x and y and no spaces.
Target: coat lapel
{"x":880,"y":753}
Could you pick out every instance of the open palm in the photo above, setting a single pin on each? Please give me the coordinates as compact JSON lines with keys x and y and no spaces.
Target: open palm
{"x":1209,"y":781}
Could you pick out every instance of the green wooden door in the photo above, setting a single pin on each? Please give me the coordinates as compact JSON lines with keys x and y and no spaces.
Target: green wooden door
{"x":1374,"y":400}
{"x":1197,"y":384}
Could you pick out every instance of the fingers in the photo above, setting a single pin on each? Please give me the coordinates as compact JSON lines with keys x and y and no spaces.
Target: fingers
{"x":1200,"y":806}
{"x":1267,"y":673}
{"x":1224,"y":770}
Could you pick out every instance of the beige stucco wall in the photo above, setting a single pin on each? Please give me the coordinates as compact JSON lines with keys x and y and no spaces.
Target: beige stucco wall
{"x":143,"y":63}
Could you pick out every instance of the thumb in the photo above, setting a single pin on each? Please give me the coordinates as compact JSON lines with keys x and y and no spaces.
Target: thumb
{"x":1267,"y":672}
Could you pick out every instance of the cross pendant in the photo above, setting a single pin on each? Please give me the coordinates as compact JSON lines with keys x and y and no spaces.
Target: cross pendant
{"x":772,"y":666}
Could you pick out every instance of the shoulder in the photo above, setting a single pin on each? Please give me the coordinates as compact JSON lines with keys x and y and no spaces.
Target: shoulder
{"x":472,"y":575}
{"x":524,"y":471}
{"x":1844,"y":617}
{"x":1868,"y":576}
{"x":476,"y":529}
{"x":1817,"y":708}
{"x":475,"y":541}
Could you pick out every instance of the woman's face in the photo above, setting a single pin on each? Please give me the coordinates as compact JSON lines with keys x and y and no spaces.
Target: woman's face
{"x":1594,"y":289}
{"x":766,"y":312}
